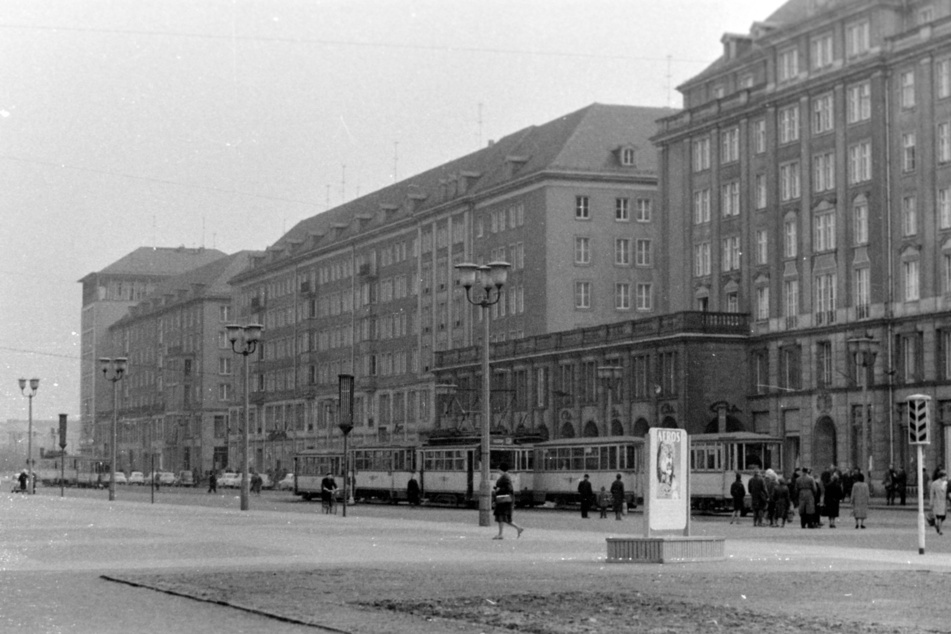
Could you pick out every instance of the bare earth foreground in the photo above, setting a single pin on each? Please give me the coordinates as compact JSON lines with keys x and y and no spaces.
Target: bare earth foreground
{"x":684,"y":599}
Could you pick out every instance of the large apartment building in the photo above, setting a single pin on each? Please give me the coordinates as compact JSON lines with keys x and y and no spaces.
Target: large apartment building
{"x":807,"y":182}
{"x":369,"y":288}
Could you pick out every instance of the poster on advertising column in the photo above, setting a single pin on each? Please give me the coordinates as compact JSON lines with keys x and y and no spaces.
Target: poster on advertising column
{"x":668,"y":495}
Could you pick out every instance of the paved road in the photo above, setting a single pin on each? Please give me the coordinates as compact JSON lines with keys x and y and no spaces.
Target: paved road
{"x":54,"y":551}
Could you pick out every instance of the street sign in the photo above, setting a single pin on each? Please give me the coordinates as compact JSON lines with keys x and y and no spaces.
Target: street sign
{"x":62,"y":431}
{"x":919,"y":420}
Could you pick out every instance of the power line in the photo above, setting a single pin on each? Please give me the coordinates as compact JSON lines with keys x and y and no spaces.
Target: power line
{"x":322,"y":42}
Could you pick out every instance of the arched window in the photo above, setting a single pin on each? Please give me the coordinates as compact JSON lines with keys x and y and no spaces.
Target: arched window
{"x":590,"y":429}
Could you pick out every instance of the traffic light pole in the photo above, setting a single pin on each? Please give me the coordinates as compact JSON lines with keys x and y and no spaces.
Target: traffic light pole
{"x":921,"y":506}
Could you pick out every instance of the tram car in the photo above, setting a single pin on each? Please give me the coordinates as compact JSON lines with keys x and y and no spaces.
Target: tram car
{"x":78,"y":471}
{"x":381,"y":473}
{"x":561,"y":464}
{"x":450,"y":474}
{"x":715,"y":459}
{"x":312,"y":466}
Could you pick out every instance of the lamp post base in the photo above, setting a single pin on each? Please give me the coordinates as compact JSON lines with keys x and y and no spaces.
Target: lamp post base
{"x":485,"y":511}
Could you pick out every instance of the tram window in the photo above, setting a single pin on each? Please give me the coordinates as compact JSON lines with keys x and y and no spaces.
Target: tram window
{"x":577,"y":458}
{"x":753,"y":456}
{"x":529,"y":460}
{"x":630,"y":455}
{"x":591,"y":459}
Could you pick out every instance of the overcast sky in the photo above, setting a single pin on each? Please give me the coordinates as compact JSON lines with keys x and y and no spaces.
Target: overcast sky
{"x":222,"y":123}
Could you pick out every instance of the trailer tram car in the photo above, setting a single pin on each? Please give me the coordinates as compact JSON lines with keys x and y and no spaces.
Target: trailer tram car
{"x":715,"y":459}
{"x":311,"y":466}
{"x":561,"y":464}
{"x":78,"y":471}
{"x":450,"y":474}
{"x":382,"y":473}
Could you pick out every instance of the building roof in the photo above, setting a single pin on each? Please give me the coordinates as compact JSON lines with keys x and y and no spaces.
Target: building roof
{"x":582,"y":141}
{"x":159,"y":261}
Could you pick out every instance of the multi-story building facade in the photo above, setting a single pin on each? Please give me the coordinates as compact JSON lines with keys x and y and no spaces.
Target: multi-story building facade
{"x":107,"y":296}
{"x":175,"y":397}
{"x":369,"y":288}
{"x":807,"y":183}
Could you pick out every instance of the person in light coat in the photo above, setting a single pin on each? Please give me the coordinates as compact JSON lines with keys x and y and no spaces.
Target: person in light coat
{"x":939,"y":499}
{"x":860,"y":498}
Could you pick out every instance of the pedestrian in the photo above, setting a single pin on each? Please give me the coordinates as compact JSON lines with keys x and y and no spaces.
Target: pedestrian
{"x":832,"y":497}
{"x":925,"y":481}
{"x":256,"y":482}
{"x":901,"y":485}
{"x":23,"y":478}
{"x":847,"y":479}
{"x":758,"y":497}
{"x":771,"y":480}
{"x":738,"y":493}
{"x":781,"y":502}
{"x":617,"y":494}
{"x":412,"y":491}
{"x":939,"y":499}
{"x":889,"y":483}
{"x":604,"y":501}
{"x":505,"y":502}
{"x":328,"y":488}
{"x":806,"y":494}
{"x":213,"y":481}
{"x":793,"y":491}
{"x":586,"y":493}
{"x":860,"y":499}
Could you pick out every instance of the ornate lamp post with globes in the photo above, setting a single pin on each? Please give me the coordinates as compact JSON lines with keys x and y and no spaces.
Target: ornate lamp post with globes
{"x":34,"y":386}
{"x":488,"y":276}
{"x":244,"y":341}
{"x":113,"y":370}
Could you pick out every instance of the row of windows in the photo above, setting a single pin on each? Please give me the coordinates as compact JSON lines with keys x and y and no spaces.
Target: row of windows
{"x":643,"y":251}
{"x":642,"y":299}
{"x":643,"y":209}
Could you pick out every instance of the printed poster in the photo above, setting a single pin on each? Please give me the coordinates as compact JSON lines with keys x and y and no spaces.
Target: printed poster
{"x":668,"y":500}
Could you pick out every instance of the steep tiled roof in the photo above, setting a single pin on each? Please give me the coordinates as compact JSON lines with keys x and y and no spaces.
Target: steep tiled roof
{"x":161,"y":261}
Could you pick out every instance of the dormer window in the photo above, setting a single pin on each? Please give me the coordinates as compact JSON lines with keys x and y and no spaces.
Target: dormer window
{"x":628,"y":156}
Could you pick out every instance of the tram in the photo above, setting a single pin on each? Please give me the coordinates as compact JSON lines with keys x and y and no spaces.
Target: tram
{"x":78,"y":471}
{"x":450,"y":474}
{"x":715,"y":459}
{"x":312,"y":466}
{"x":381,"y":473}
{"x":561,"y":464}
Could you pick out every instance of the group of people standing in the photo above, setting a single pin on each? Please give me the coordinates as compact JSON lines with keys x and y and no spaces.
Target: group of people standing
{"x":604,"y":499}
{"x":772,"y":499}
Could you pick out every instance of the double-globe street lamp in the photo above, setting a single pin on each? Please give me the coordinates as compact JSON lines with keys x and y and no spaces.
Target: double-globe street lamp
{"x":488,"y":277}
{"x":113,"y":370}
{"x":34,"y":386}
{"x":244,"y":341}
{"x":863,"y":350}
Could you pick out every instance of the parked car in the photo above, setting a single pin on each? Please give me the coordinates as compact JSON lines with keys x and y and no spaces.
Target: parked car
{"x":266,"y":482}
{"x":229,"y":480}
{"x":185,"y":479}
{"x":165,"y":478}
{"x":286,"y":483}
{"x":136,"y":477}
{"x":120,"y":478}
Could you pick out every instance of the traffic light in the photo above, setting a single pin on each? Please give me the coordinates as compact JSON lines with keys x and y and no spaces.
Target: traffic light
{"x":919,"y":420}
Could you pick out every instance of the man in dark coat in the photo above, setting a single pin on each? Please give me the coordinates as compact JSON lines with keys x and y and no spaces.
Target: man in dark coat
{"x":586,"y":493}
{"x":758,"y":497}
{"x":412,"y":491}
{"x":617,"y":493}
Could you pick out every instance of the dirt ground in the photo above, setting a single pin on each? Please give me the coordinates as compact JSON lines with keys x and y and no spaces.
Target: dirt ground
{"x":677,"y":600}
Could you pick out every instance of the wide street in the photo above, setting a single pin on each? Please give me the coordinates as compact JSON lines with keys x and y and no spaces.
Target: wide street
{"x":57,"y":555}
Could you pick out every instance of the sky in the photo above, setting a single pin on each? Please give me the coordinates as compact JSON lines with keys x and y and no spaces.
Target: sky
{"x":223,"y":123}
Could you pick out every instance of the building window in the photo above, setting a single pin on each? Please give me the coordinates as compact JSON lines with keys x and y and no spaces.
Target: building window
{"x":730,"y":254}
{"x":946,"y":259}
{"x":224,"y":365}
{"x":791,"y":296}
{"x":789,"y":181}
{"x":224,"y":392}
{"x":908,"y":89}
{"x":622,"y":296}
{"x":944,"y":208}
{"x":582,"y":209}
{"x":701,"y":206}
{"x":790,"y":374}
{"x":789,"y":124}
{"x":627,"y":156}
{"x":762,"y":303}
{"x":825,"y":298}
{"x":857,"y":39}
{"x":582,"y":294}
{"x":701,"y":154}
{"x":910,"y":278}
{"x":908,"y":152}
{"x":859,"y":99}
{"x":224,"y":314}
{"x":944,"y":142}
{"x":910,"y":358}
{"x":943,"y":71}
{"x":823,"y":172}
{"x":701,"y":259}
{"x":909,"y":215}
{"x":860,"y":222}
{"x":822,"y":51}
{"x":644,"y":209}
{"x":732,"y":302}
{"x":823,"y":364}
{"x":622,"y":251}
{"x":644,"y":301}
{"x":762,"y":246}
{"x":825,"y":231}
{"x":759,"y":193}
{"x":760,"y":363}
{"x":790,"y":238}
{"x":582,"y":251}
{"x":862,"y":287}
{"x":788,"y":65}
{"x":822,"y":114}
{"x":622,"y":209}
{"x":860,"y":162}
{"x":730,"y":199}
{"x":759,"y":136}
{"x":730,"y":145}
{"x":644,"y":253}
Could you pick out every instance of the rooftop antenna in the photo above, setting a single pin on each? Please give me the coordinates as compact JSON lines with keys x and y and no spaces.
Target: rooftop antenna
{"x":396,"y":160}
{"x":480,"y":126}
{"x":343,"y":183}
{"x":668,"y":80}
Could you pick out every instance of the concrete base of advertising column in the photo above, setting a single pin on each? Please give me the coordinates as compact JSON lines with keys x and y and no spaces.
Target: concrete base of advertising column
{"x":663,"y":550}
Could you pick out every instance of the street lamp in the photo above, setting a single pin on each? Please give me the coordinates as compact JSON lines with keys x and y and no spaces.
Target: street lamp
{"x":492,"y":275}
{"x":863,"y":350}
{"x":610,"y":375}
{"x":113,"y":370}
{"x":244,"y":341}
{"x":34,"y":386}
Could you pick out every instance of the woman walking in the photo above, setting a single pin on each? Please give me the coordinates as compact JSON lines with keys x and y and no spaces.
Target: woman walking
{"x":860,"y":497}
{"x":833,"y":496}
{"x":939,"y":499}
{"x":738,"y":493}
{"x":504,"y":502}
